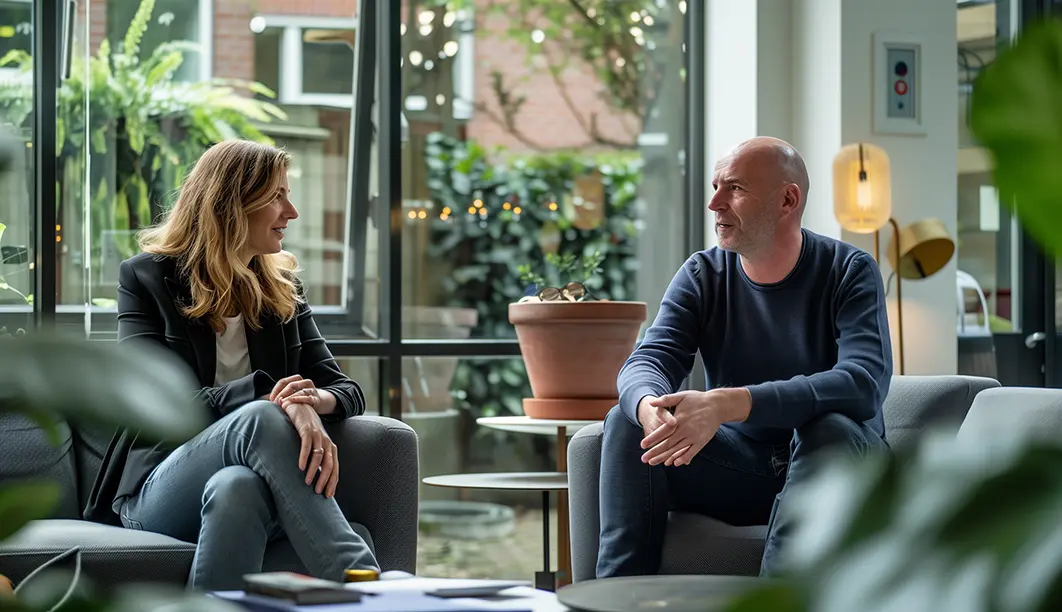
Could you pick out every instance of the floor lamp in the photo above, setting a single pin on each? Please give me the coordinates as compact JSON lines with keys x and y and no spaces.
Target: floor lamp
{"x":862,"y":203}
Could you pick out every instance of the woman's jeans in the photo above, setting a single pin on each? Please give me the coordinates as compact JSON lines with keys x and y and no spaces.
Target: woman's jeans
{"x":234,"y":488}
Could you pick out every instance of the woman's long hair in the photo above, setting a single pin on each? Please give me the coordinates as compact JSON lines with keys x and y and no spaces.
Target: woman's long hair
{"x":206,"y":232}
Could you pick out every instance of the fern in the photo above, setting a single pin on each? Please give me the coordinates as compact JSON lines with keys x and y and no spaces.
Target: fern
{"x":137,"y":28}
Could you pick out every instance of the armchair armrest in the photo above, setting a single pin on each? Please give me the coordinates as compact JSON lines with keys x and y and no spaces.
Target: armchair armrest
{"x":379,"y":479}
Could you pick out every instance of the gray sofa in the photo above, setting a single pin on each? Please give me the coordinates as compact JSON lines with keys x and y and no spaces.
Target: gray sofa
{"x":696,"y":544}
{"x":378,"y":494}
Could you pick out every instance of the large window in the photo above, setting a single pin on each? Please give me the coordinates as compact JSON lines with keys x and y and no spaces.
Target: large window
{"x":565,"y":130}
{"x":17,"y":204}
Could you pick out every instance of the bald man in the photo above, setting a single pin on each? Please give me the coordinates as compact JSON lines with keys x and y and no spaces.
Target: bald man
{"x":793,"y":332}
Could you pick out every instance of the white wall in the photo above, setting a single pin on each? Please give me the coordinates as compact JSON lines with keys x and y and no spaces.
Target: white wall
{"x":811,"y":85}
{"x":817,"y":103}
{"x":924,"y":168}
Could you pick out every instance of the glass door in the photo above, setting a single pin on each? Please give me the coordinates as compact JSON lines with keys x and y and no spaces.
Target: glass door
{"x":1008,"y":290}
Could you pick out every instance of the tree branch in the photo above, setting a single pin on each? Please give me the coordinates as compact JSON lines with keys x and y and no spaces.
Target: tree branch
{"x":512,"y":129}
{"x":582,"y":11}
{"x":589,"y":127}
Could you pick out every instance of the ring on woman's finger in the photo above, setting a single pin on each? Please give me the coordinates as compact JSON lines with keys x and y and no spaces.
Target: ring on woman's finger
{"x":318,"y":450}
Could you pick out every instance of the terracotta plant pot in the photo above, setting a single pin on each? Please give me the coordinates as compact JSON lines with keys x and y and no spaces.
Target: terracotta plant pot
{"x":573,"y":353}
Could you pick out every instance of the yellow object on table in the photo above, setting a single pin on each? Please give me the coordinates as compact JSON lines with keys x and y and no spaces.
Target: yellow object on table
{"x":353,"y":575}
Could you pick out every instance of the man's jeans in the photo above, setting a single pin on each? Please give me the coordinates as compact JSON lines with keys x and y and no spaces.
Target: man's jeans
{"x":236,"y":486}
{"x":735,"y":479}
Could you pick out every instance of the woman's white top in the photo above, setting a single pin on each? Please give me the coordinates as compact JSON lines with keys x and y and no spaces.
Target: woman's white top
{"x":233,"y":359}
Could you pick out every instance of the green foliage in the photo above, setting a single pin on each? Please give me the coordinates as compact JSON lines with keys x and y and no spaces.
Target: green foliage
{"x":481,"y":257}
{"x":567,"y":266}
{"x":967,"y":523}
{"x":1014,"y":113}
{"x":49,"y":378}
{"x":23,"y":502}
{"x":143,"y":127}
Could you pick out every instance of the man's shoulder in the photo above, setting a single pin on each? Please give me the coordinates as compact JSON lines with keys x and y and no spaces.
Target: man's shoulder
{"x":711,"y":260}
{"x":835,"y":253}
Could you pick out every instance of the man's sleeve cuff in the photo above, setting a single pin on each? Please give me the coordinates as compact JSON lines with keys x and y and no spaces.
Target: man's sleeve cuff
{"x":630,"y":398}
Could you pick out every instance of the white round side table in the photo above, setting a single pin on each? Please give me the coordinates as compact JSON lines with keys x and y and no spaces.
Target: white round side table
{"x":549,"y":427}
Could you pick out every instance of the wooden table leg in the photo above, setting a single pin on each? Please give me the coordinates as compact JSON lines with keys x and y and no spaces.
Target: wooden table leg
{"x":564,"y":545}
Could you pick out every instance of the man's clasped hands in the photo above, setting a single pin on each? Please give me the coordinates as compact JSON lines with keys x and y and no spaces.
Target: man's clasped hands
{"x":678,"y":425}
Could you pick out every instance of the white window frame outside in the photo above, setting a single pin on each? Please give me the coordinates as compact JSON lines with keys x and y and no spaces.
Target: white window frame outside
{"x":290,"y":63}
{"x":206,"y":40}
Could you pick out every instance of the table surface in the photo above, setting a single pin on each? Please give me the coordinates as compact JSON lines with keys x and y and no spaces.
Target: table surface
{"x":521,"y":598}
{"x":525,"y":424}
{"x":685,"y":593}
{"x":519,"y":481}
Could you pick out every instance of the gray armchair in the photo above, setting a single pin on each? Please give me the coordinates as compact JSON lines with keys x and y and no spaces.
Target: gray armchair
{"x":378,"y":495}
{"x":696,"y":544}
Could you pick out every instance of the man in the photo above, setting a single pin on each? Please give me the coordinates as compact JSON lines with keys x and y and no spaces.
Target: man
{"x":793,"y":331}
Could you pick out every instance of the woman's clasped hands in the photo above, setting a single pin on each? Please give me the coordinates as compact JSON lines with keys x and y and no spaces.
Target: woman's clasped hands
{"x":299,"y":398}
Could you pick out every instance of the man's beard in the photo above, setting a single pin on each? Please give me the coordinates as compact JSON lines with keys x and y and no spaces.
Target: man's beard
{"x":749,"y":239}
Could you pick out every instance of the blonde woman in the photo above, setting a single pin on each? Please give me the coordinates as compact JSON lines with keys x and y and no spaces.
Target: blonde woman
{"x":214,"y":286}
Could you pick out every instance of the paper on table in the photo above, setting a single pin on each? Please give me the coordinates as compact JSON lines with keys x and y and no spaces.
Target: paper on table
{"x":522,"y":597}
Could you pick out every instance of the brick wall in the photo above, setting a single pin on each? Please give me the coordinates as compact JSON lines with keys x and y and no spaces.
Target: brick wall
{"x":318,"y":8}
{"x":97,"y":22}
{"x":545,"y":119}
{"x":233,"y":39}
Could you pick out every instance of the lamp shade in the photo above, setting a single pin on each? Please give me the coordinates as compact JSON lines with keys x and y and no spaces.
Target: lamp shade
{"x":925,"y":248}
{"x":862,"y":188}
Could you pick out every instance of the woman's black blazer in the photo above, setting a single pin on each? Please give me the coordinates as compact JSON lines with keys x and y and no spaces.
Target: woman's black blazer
{"x":150,"y":292}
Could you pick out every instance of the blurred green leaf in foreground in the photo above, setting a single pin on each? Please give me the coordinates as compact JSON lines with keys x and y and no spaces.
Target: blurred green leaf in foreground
{"x":967,"y":524}
{"x":51,"y":378}
{"x":1016,"y":114}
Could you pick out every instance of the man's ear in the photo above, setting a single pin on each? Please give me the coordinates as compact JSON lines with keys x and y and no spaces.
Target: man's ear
{"x":791,"y":203}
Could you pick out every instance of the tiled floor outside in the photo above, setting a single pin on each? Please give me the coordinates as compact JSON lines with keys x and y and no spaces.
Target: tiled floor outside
{"x":516,"y":556}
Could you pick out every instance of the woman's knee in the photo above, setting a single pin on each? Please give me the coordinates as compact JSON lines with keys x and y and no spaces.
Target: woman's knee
{"x":263,"y":421}
{"x":233,"y":487}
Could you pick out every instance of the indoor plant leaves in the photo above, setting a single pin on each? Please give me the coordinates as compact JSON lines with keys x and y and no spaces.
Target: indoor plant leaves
{"x":954,"y":523}
{"x":23,"y":502}
{"x":121,"y":386}
{"x":1014,"y":113}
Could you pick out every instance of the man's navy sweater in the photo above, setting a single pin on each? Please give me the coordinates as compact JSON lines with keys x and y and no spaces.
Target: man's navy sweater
{"x":815,"y":342}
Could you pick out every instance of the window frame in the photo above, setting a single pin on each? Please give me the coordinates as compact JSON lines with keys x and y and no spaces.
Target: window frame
{"x":380,"y":54}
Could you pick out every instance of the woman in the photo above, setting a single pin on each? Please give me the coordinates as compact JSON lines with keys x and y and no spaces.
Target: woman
{"x":214,"y":286}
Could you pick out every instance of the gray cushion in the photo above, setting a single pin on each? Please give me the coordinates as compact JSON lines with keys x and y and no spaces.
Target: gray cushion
{"x":113,"y":555}
{"x":109,"y":554}
{"x":916,"y":403}
{"x":734,"y":551}
{"x":1020,"y":412}
{"x":28,"y":454}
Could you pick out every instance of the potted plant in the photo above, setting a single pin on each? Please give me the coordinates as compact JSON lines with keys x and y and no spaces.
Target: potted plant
{"x":573,"y":344}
